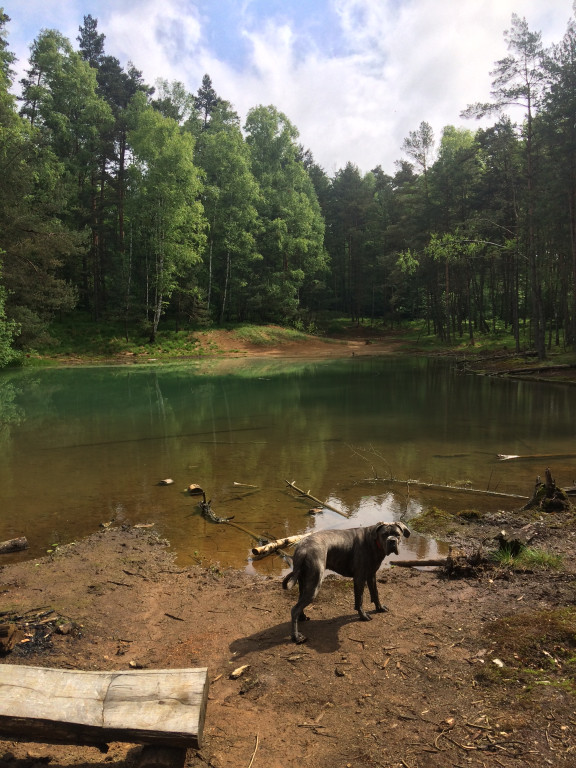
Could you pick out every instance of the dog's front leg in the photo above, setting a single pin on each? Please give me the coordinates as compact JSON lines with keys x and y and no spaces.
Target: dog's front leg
{"x":359,"y":597}
{"x":374,"y":596}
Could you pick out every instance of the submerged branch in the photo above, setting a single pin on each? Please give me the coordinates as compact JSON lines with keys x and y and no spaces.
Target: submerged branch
{"x":313,"y":498}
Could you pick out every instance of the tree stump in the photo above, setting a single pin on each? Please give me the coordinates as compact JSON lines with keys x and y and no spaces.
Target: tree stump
{"x":547,"y":496}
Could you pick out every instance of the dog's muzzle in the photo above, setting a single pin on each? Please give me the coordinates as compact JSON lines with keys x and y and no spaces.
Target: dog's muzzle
{"x":392,"y":543}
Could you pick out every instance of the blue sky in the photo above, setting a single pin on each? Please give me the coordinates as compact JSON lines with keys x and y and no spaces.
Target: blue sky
{"x":354,"y":76}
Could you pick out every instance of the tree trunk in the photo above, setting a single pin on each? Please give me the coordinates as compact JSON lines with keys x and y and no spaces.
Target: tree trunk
{"x":226,"y":288}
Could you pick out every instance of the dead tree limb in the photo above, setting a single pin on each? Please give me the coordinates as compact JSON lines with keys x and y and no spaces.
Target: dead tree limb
{"x":313,"y":498}
{"x":460,"y":488}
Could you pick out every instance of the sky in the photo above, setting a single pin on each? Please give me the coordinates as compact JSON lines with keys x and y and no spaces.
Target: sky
{"x":354,"y":76}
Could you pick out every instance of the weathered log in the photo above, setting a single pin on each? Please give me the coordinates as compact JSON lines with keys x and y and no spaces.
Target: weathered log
{"x":273,"y":546}
{"x":13,"y":545}
{"x":164,"y":707}
{"x":309,"y":496}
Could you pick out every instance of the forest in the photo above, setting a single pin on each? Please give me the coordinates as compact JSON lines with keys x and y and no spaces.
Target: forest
{"x":152,"y":207}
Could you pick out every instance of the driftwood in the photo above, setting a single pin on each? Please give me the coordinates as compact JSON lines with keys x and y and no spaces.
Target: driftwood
{"x":13,"y":545}
{"x":460,"y":488}
{"x":313,"y":498}
{"x":70,"y":707}
{"x":514,"y":456}
{"x":209,"y":514}
{"x":533,"y":369}
{"x":273,"y":546}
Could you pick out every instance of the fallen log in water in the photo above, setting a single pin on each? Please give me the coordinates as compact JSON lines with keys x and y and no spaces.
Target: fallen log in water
{"x":533,"y":369}
{"x":13,"y":545}
{"x":273,"y":546}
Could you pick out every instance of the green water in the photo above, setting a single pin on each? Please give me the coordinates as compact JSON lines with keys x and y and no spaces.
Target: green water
{"x":85,"y":446}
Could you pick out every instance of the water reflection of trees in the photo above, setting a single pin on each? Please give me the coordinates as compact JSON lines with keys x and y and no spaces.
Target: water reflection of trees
{"x":11,"y":412}
{"x":99,"y":438}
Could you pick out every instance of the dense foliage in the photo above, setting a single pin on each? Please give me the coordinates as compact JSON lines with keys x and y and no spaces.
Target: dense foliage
{"x":144,"y":205}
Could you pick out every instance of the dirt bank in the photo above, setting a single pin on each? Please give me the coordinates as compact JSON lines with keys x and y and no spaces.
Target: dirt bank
{"x":441,"y":680}
{"x":359,"y":341}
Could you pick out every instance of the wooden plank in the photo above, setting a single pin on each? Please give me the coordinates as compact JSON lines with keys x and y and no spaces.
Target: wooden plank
{"x":162,"y":707}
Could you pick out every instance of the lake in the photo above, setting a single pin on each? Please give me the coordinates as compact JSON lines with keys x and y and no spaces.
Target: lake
{"x":81,"y":447}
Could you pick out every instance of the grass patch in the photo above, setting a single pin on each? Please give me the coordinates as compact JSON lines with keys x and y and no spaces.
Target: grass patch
{"x":469,"y":515}
{"x":433,"y":520}
{"x":537,"y":648}
{"x":528,"y":558}
{"x":268,"y":335}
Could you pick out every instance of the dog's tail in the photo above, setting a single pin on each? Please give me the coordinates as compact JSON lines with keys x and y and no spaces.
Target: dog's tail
{"x":289,"y":581}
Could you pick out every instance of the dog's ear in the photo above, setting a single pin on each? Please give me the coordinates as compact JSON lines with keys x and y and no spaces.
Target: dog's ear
{"x":405,"y":530}
{"x":378,"y":532}
{"x":397,"y":524}
{"x":386,"y":536}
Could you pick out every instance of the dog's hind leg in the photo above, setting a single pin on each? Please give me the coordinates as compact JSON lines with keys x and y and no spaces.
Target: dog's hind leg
{"x":309,"y":585}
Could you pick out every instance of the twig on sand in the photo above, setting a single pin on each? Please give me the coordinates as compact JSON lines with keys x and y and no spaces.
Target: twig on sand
{"x":254,"y":753}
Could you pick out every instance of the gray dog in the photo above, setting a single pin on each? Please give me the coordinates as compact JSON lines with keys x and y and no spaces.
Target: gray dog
{"x":355,"y":552}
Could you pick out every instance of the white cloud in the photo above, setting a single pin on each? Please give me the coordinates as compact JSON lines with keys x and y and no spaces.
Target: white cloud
{"x":402,"y":63}
{"x":391,"y":65}
{"x":158,"y":38}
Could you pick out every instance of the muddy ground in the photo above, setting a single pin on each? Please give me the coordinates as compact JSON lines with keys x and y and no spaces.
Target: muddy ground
{"x":475,"y":669}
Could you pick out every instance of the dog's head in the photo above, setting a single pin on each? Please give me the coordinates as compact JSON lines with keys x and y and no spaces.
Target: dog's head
{"x":388,"y":536}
